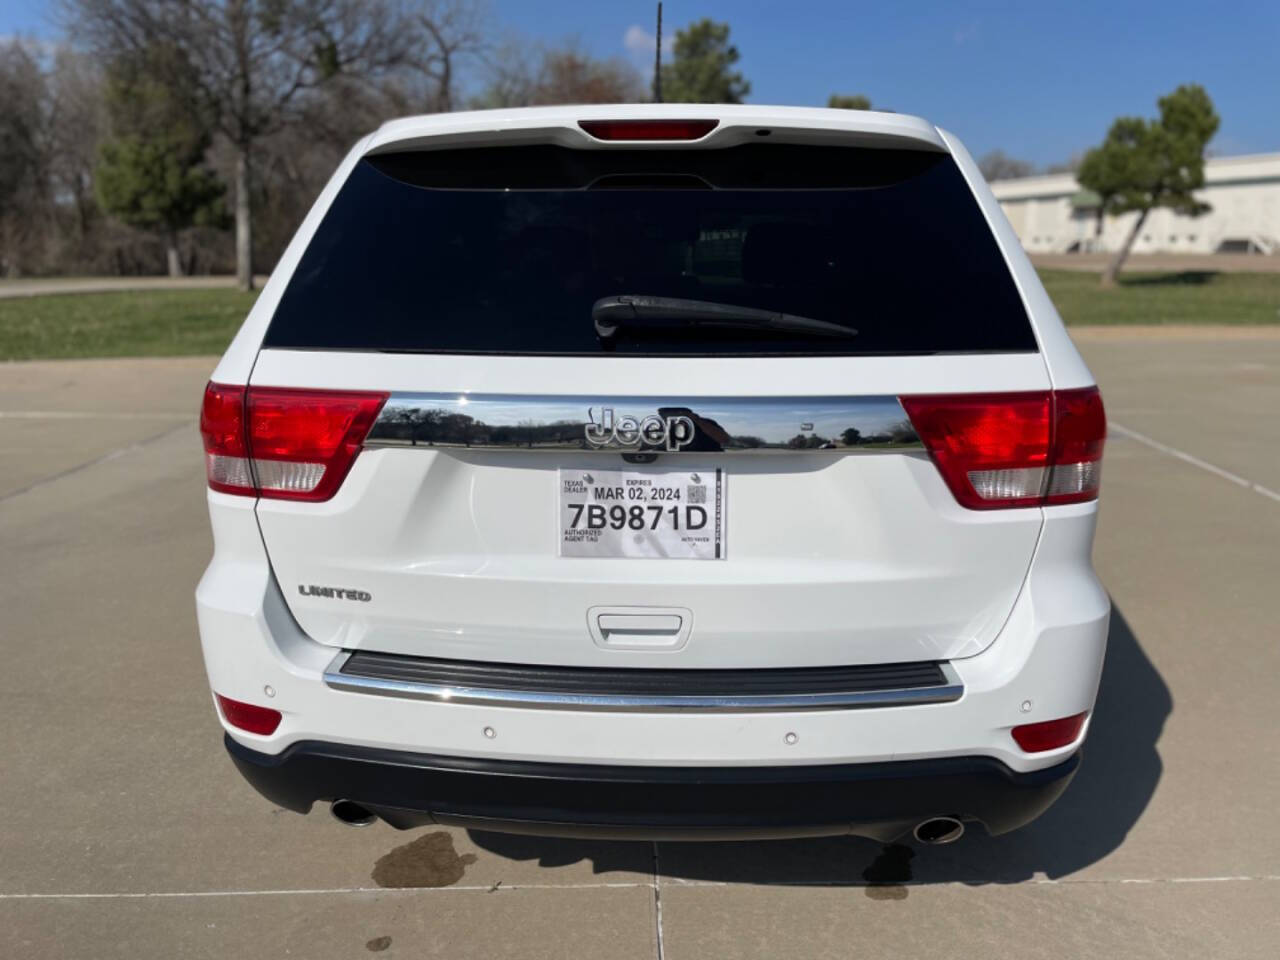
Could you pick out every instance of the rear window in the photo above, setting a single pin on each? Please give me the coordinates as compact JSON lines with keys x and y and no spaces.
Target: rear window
{"x":507,"y":251}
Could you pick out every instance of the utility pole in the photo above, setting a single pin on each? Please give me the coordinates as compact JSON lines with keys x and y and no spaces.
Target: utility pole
{"x":657,"y":61}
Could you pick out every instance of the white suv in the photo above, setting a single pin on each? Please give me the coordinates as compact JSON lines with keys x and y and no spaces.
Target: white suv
{"x":664,"y":471}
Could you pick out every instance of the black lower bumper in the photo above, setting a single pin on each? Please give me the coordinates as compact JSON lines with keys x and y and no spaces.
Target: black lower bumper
{"x":878,"y":800}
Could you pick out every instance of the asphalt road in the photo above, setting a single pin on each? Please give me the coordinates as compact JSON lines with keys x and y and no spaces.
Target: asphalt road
{"x":126,"y":833}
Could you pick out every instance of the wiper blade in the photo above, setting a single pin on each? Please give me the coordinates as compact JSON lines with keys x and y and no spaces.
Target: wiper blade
{"x":612,"y":314}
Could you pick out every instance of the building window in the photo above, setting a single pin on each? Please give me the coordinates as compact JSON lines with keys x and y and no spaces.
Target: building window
{"x":1172,"y":238}
{"x":1191,"y":238}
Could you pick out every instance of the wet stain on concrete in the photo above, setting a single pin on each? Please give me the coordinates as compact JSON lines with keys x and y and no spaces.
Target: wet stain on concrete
{"x":378,"y":944}
{"x":888,"y":873}
{"x":429,"y":861}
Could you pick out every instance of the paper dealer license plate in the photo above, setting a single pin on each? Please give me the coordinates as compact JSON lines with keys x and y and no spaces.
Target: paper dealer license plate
{"x":642,"y":513}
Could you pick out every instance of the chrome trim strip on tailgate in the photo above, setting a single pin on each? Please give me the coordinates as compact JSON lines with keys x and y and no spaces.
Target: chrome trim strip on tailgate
{"x":539,"y":424}
{"x":949,"y":690}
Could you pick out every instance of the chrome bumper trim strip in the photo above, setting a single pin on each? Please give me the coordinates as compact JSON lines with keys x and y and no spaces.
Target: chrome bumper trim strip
{"x":951,"y":690}
{"x":540,"y":424}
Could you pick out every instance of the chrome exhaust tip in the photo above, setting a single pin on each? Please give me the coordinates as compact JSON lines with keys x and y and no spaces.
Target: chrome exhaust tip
{"x":939,"y":830}
{"x":351,"y":814}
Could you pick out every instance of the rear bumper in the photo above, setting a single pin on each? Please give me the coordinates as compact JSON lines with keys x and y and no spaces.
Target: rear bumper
{"x":1044,"y":665}
{"x":878,"y":800}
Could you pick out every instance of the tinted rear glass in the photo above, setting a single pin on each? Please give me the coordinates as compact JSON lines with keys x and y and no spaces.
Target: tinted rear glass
{"x":506,"y":250}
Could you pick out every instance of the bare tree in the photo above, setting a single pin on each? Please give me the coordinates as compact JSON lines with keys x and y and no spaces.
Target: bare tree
{"x":568,"y":76}
{"x":998,"y":165}
{"x":564,"y":75}
{"x":23,"y":174}
{"x":451,"y":31}
{"x":294,"y":162}
{"x":74,"y":127}
{"x":1071,"y":165}
{"x":51,"y":124}
{"x":251,"y":61}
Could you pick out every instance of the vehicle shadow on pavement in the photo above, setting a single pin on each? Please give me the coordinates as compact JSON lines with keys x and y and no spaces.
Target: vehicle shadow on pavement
{"x":1117,"y":778}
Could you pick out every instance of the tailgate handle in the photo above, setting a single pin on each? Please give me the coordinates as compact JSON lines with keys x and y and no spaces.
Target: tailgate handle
{"x":639,"y":628}
{"x":661,"y":624}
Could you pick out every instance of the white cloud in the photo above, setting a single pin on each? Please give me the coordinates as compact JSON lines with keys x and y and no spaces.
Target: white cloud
{"x":639,"y":42}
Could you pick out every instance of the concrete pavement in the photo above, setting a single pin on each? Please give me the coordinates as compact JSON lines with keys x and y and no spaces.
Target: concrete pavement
{"x":128,"y":834}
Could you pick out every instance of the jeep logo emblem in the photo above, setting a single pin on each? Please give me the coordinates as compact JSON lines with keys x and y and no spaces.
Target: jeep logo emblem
{"x":653,"y":431}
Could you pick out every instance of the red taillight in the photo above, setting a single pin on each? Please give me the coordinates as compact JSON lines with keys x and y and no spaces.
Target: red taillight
{"x":284,"y":443}
{"x":1048,"y":734}
{"x":303,"y":442}
{"x":222,"y":426}
{"x":1014,"y":449}
{"x":1079,"y":431}
{"x":248,"y":716}
{"x":648,"y":129}
{"x":991,"y":448}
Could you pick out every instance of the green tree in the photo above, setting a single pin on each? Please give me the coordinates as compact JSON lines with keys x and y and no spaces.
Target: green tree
{"x":1144,"y":164}
{"x":156,"y":183}
{"x":151,"y":171}
{"x":701,"y":70}
{"x":849,"y":101}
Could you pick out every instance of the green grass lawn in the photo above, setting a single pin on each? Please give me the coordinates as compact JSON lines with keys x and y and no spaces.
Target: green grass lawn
{"x":174,"y":322}
{"x":1191,"y":297}
{"x":152,"y":323}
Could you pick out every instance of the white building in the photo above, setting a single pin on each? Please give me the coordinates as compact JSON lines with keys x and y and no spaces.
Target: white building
{"x":1052,"y":214}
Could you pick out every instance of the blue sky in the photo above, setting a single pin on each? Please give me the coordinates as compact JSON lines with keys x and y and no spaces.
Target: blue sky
{"x":1038,"y":80}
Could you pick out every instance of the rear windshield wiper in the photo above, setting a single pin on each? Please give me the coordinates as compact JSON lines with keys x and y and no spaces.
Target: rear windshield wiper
{"x":611,"y":314}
